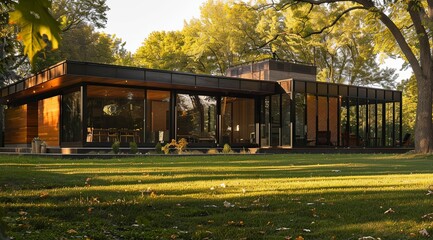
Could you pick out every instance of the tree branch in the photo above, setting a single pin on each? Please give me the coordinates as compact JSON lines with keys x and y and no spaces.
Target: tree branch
{"x":333,"y":22}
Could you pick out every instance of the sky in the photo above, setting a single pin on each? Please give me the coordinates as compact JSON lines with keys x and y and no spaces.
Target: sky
{"x":134,"y":20}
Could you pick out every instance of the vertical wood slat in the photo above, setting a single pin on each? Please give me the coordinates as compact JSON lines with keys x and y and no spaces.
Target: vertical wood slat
{"x":48,"y":120}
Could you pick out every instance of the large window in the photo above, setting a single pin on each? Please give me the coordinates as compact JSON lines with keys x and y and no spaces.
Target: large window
{"x":196,"y":118}
{"x":71,"y":117}
{"x":300,"y":122}
{"x":157,"y":116}
{"x":286,"y":125}
{"x":237,"y":120}
{"x":115,"y":114}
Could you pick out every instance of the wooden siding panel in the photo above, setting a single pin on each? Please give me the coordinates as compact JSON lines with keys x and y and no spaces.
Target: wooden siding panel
{"x":48,"y":120}
{"x":16,"y":125}
{"x":32,"y":121}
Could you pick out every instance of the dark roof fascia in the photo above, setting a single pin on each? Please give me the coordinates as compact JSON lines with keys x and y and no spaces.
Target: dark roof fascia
{"x":88,"y":69}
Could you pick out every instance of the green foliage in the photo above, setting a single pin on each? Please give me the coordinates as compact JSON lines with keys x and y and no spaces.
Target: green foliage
{"x":3,"y":226}
{"x":133,"y":147}
{"x":36,"y":25}
{"x":179,"y":145}
{"x":158,"y":148}
{"x":116,"y":147}
{"x":83,"y":43}
{"x":227,"y":148}
{"x":276,"y":189}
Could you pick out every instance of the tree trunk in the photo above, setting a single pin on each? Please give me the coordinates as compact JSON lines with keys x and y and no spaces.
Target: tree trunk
{"x":423,"y":124}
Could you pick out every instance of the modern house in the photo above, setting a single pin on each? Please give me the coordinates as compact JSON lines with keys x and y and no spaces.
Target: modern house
{"x":267,"y":104}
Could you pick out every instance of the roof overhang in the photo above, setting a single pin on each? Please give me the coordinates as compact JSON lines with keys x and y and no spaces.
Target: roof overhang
{"x":71,"y":73}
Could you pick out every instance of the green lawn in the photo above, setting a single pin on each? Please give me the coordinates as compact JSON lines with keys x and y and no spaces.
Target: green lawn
{"x":218,"y":197}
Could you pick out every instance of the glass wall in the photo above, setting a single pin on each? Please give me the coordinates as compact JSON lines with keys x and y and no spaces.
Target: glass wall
{"x":157,"y":116}
{"x":237,"y":121}
{"x":347,"y":116}
{"x":300,"y":122}
{"x":265,"y":124}
{"x":72,"y":130}
{"x":275,"y":120}
{"x":115,"y":114}
{"x":286,"y":125}
{"x":196,"y":118}
{"x":311,"y":119}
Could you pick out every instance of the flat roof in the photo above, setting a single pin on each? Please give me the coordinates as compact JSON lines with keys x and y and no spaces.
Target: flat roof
{"x":67,"y":74}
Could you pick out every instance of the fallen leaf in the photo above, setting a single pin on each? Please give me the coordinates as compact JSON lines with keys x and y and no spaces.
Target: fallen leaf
{"x":282,"y":229}
{"x":288,"y":238}
{"x":210,"y":206}
{"x":300,"y":238}
{"x":428,"y":216}
{"x":368,"y":238}
{"x":72,"y":231}
{"x":390,"y":210}
{"x":424,"y":233}
{"x":22,"y":213}
{"x":43,"y":194}
{"x":227,"y":204}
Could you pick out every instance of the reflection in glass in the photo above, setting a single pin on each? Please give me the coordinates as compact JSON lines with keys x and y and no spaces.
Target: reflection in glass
{"x":389,"y":138}
{"x":379,"y":119}
{"x":333,"y":120}
{"x":196,"y":118}
{"x":300,"y":128}
{"x":286,"y":128}
{"x":115,"y":114}
{"x":237,"y":120}
{"x":275,"y":120}
{"x":311,"y":119}
{"x":264,"y":122}
{"x":71,"y":117}
{"x":157,"y":116}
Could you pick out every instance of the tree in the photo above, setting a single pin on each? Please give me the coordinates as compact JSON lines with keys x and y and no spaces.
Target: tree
{"x":82,"y":43}
{"x":27,"y":27}
{"x":163,"y":50}
{"x":78,"y":19}
{"x":404,"y":28}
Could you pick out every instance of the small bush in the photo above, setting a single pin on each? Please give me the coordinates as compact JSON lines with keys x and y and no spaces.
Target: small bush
{"x":166,"y":148}
{"x":212,"y":151}
{"x":243,"y":151}
{"x":227,"y":149}
{"x":133,"y":147}
{"x":158,"y":148}
{"x":179,"y":145}
{"x":116,"y":147}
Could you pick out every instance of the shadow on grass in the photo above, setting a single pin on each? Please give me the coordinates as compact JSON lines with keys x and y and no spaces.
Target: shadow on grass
{"x":285,"y":196}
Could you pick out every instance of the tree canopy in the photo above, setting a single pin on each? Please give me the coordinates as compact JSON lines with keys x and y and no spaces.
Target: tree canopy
{"x":402,"y":28}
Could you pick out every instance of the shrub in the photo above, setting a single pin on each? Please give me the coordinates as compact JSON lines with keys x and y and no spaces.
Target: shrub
{"x":179,"y":145}
{"x":116,"y":147}
{"x":158,"y":149}
{"x":243,"y":151}
{"x":227,"y":149}
{"x":133,"y":147}
{"x":166,"y":148}
{"x":212,"y":151}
